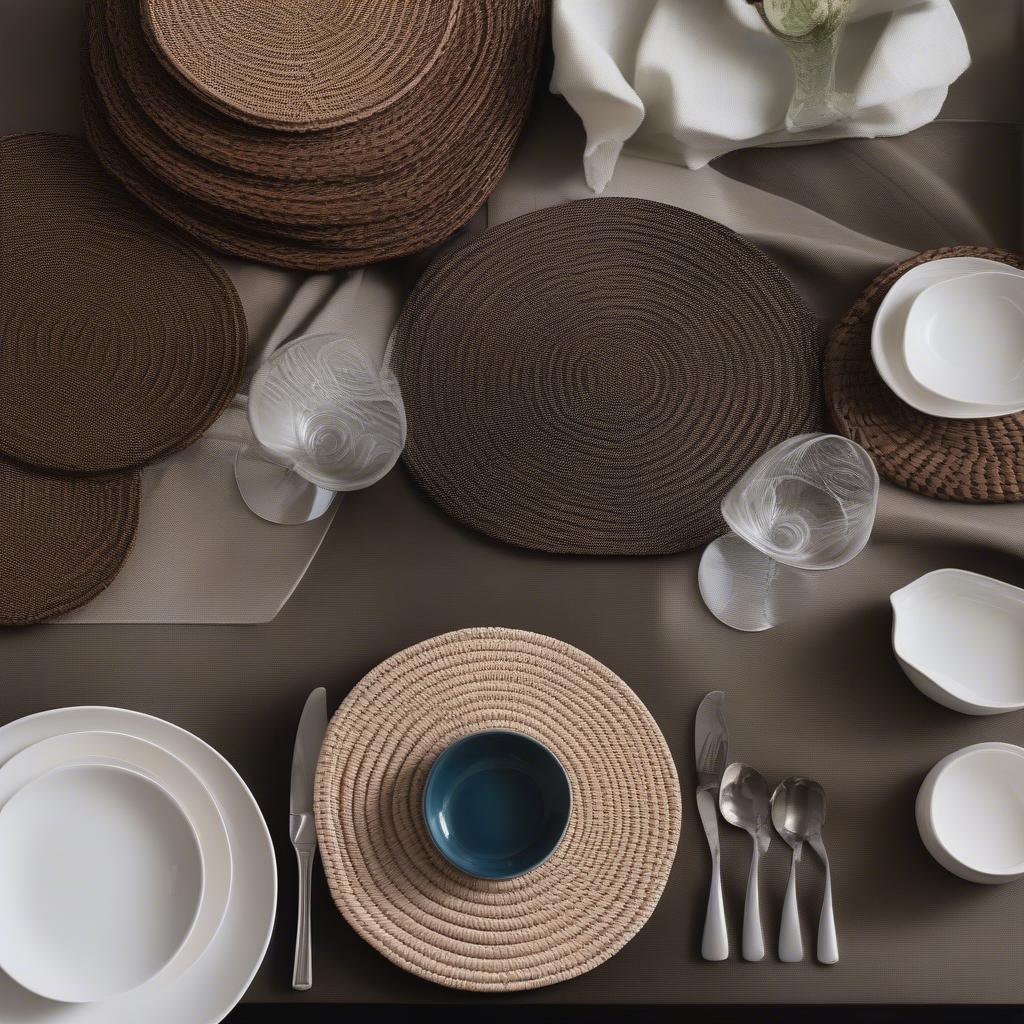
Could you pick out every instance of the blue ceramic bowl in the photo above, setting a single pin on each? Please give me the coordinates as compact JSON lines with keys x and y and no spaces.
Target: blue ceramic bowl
{"x":497,"y":803}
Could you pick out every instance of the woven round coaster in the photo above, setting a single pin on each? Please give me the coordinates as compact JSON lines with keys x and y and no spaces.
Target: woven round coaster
{"x":121,"y":341}
{"x":559,"y":920}
{"x":299,"y":66}
{"x":955,"y":460}
{"x":65,"y":538}
{"x":592,"y":378}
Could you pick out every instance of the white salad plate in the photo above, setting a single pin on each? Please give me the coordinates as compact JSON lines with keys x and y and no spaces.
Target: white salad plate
{"x":888,"y":336}
{"x":965,"y":339}
{"x":209,"y":988}
{"x":970,"y":813}
{"x":959,"y":637}
{"x":183,"y":786}
{"x":101,"y":879}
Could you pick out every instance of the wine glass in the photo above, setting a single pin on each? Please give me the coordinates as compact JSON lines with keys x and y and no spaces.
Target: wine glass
{"x":325,"y":419}
{"x":811,"y":30}
{"x":807,"y":504}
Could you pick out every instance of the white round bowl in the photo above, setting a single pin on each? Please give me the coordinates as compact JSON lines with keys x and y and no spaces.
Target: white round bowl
{"x":964,"y":339}
{"x":101,"y":878}
{"x":888,"y":328}
{"x":970,"y":813}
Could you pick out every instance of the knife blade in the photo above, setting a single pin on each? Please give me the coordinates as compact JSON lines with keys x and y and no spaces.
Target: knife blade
{"x":711,"y":752}
{"x":302,"y":824}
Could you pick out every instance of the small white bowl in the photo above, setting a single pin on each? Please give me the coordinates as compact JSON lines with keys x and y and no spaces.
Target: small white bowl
{"x":959,"y":637}
{"x":970,"y":813}
{"x":964,"y":339}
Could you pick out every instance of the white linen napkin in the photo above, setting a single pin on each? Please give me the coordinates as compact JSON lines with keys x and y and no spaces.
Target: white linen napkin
{"x":685,"y":81}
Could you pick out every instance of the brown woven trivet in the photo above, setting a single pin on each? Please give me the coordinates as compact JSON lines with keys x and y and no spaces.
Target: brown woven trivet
{"x":559,"y":920}
{"x":300,"y":66}
{"x":64,"y":539}
{"x":955,"y":460}
{"x":592,"y":378}
{"x":121,"y":341}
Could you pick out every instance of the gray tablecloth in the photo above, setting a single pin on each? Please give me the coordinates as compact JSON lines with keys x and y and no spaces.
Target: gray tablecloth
{"x":822,"y":696}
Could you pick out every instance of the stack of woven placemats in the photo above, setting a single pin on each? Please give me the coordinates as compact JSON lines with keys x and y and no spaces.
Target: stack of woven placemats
{"x":120,"y":342}
{"x":361,"y":131}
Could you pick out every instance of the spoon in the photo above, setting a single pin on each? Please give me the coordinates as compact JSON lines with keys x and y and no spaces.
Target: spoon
{"x":798,"y":814}
{"x":745,"y":801}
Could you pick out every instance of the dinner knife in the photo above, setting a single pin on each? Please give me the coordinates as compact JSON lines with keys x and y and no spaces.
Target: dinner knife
{"x":302,"y":825}
{"x":711,"y":746}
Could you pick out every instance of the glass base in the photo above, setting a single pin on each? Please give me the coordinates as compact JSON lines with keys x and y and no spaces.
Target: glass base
{"x":746,"y":589}
{"x":275,"y":492}
{"x":808,"y":115}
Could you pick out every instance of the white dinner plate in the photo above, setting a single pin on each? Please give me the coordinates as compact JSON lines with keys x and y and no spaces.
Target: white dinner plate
{"x":890,"y":323}
{"x":182,"y":784}
{"x":211,"y":987}
{"x":101,"y":879}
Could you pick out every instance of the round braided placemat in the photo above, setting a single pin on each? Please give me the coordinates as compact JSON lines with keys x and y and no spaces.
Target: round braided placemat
{"x":955,"y":460}
{"x":122,"y":341}
{"x":65,"y":538}
{"x":559,"y":920}
{"x":299,"y":65}
{"x":592,"y":378}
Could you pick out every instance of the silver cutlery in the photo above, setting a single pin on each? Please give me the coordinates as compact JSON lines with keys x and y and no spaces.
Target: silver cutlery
{"x":302,"y":825}
{"x":798,"y":814}
{"x":711,"y":746}
{"x":745,"y":801}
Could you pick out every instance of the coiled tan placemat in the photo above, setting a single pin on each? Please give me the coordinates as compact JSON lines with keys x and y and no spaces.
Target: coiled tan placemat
{"x":955,"y":460}
{"x":592,"y":378}
{"x":121,"y":340}
{"x":300,"y":66}
{"x":64,"y":539}
{"x":560,"y":920}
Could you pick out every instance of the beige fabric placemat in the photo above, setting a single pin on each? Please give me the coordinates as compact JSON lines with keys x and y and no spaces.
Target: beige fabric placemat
{"x":566,"y":916}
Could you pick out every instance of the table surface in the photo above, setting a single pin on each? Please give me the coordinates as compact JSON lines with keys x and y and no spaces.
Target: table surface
{"x":822,"y":697}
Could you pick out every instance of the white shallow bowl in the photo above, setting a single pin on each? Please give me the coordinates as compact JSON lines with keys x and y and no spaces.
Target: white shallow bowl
{"x":964,"y":339}
{"x":101,"y":878}
{"x":959,"y":637}
{"x":185,"y":789}
{"x":887,"y":336}
{"x":970,"y":813}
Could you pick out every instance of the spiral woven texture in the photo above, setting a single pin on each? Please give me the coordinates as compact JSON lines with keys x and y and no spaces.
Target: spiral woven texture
{"x":391,"y":180}
{"x":954,"y":460}
{"x":594,"y":377}
{"x":65,"y":538}
{"x":122,"y":341}
{"x":563,"y":918}
{"x":299,"y":64}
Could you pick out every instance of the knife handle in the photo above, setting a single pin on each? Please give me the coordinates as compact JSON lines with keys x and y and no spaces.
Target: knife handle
{"x":302,"y":970}
{"x":715,"y":944}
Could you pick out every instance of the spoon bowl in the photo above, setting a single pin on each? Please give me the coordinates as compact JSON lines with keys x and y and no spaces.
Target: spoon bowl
{"x":798,"y":810}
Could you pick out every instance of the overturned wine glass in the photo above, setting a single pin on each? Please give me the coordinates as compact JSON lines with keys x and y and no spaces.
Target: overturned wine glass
{"x":325,"y":419}
{"x":811,"y":31}
{"x":805,"y":506}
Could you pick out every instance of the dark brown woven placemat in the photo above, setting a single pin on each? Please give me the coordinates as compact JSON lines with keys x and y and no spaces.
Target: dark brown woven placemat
{"x":592,"y":378}
{"x":64,"y":538}
{"x":955,"y":460}
{"x":299,"y":67}
{"x":121,"y":341}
